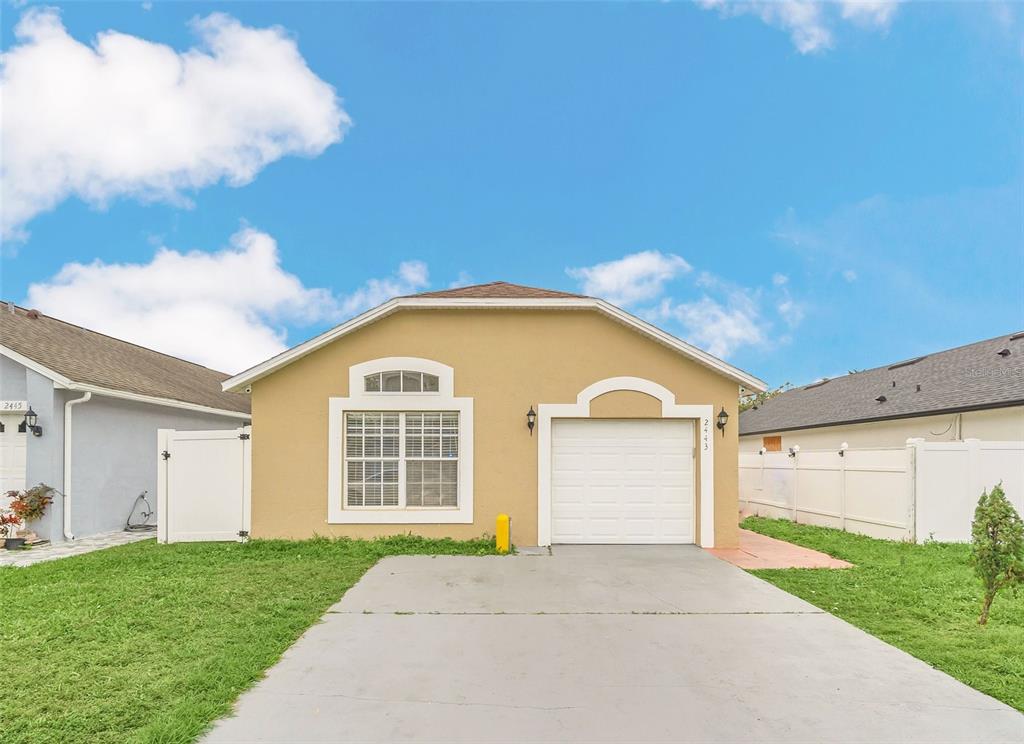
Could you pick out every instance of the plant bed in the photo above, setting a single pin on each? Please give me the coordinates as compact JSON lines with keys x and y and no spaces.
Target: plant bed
{"x":923,"y":599}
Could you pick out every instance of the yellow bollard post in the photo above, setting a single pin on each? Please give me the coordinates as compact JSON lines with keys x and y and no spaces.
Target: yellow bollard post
{"x":503,"y":533}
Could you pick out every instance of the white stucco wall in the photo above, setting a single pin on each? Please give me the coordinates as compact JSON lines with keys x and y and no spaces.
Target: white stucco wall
{"x":999,"y":425}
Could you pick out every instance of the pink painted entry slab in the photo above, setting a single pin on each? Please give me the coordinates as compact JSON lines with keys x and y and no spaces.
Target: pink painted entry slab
{"x":761,"y":551}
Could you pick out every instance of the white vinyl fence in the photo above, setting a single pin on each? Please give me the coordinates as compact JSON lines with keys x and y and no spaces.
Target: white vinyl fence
{"x":925,"y":490}
{"x":204,"y":485}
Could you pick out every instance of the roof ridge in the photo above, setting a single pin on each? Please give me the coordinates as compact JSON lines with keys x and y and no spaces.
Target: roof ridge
{"x":468,"y":289}
{"x":926,"y":355}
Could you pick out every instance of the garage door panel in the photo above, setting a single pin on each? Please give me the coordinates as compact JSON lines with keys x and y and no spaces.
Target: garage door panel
{"x":600,"y":496}
{"x":622,"y":481}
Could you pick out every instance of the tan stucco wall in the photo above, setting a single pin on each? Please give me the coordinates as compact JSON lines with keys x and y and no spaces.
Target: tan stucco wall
{"x":999,"y":425}
{"x":506,"y":360}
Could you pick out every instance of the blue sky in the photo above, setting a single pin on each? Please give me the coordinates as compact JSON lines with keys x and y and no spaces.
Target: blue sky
{"x":804,"y":193}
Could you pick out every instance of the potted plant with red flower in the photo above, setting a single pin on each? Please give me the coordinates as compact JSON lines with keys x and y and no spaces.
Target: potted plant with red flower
{"x":29,"y":506}
{"x":8,"y":522}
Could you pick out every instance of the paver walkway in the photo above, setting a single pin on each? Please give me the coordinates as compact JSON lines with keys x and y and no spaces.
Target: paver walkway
{"x":598,"y":644}
{"x":54,"y":551}
{"x":761,"y":551}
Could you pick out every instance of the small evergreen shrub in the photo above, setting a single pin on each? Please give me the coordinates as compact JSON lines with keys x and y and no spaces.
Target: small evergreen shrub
{"x":997,"y":546}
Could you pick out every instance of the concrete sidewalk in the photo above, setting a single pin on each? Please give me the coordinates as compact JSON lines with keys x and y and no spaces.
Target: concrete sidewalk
{"x":56,"y":551}
{"x":598,"y":644}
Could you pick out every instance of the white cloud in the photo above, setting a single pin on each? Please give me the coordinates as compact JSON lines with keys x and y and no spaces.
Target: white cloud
{"x":411,"y":277}
{"x":791,"y":311}
{"x":634,"y":278}
{"x":878,"y":13}
{"x":850,"y":275}
{"x":722,"y":319}
{"x":809,"y":23}
{"x":223,"y":309}
{"x":464,"y":279}
{"x":127,"y":117}
{"x":719,"y":327}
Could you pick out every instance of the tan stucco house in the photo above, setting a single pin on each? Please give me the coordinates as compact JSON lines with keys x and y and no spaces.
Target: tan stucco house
{"x":434,"y":413}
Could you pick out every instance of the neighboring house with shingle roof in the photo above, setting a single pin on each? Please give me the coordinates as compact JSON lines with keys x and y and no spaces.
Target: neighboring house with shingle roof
{"x":99,"y":402}
{"x":969,"y":392}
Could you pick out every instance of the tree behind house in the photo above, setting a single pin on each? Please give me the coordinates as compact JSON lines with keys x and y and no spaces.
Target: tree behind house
{"x":997,"y":546}
{"x":755,"y":400}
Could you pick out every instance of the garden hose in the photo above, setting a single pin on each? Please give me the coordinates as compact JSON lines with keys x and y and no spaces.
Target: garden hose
{"x":144,"y":525}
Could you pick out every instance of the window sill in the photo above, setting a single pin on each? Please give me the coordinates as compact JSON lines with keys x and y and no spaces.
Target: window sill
{"x":412,"y":515}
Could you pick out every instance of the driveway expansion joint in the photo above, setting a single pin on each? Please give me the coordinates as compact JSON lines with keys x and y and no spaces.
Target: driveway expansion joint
{"x":460,"y":703}
{"x":577,"y":612}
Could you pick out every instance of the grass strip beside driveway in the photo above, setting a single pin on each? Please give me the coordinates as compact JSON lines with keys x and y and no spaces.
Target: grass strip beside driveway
{"x":150,"y":643}
{"x":924,"y":599}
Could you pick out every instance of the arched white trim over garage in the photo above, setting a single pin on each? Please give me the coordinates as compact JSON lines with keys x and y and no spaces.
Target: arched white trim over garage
{"x":547,"y":412}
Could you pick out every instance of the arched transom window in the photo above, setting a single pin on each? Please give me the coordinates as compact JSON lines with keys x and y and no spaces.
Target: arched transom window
{"x":400,"y":381}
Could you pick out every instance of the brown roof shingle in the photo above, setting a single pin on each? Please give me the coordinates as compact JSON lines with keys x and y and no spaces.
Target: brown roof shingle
{"x":88,"y":357}
{"x":499,"y":290}
{"x":968,"y":377}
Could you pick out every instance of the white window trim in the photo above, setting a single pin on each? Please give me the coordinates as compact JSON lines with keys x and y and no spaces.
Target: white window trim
{"x":358,"y":400}
{"x":705,"y":444}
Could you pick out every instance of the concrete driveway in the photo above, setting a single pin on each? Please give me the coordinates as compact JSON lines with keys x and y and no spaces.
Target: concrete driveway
{"x":598,"y":644}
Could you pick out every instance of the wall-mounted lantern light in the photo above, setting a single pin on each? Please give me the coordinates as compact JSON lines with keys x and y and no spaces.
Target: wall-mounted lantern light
{"x":793,"y":450}
{"x":762,"y":450}
{"x":31,"y":424}
{"x":531,"y":420}
{"x":723,"y":419}
{"x":842,"y":449}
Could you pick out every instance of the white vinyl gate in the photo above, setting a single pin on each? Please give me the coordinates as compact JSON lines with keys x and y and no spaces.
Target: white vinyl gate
{"x":203,"y":485}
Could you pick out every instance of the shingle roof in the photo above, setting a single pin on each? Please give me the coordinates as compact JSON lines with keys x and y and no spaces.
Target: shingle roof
{"x":91,"y":358}
{"x":968,"y":377}
{"x":502,"y":290}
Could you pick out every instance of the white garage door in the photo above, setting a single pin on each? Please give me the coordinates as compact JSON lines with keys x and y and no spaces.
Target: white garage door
{"x":622,"y":481}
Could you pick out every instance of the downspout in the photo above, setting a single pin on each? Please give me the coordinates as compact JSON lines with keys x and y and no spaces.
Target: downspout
{"x":68,"y":535}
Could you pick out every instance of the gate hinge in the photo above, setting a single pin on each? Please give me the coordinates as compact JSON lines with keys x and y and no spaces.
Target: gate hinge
{"x":243,"y":435}
{"x":166,"y":455}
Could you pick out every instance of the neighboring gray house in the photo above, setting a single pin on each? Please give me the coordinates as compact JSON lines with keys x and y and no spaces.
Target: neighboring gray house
{"x":99,"y":403}
{"x":970,"y":392}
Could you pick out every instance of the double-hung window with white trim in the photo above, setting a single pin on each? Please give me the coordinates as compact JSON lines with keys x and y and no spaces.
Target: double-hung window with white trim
{"x":400,"y":446}
{"x":401,"y":459}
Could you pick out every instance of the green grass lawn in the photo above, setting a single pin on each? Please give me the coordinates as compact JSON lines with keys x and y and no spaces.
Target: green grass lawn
{"x":150,"y":643}
{"x":923,"y":599}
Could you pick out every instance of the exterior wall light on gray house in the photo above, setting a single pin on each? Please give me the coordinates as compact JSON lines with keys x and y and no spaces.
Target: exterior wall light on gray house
{"x":31,"y":424}
{"x":531,"y":420}
{"x":723,"y":419}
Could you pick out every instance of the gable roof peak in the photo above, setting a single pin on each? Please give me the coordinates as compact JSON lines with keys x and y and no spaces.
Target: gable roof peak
{"x":497,"y":290}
